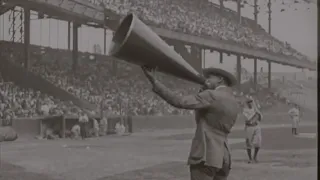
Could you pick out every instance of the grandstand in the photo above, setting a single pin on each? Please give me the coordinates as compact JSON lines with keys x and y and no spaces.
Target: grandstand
{"x":46,"y":87}
{"x":65,"y":81}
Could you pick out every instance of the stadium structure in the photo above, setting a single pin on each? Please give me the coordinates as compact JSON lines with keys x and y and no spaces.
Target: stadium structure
{"x":242,"y":37}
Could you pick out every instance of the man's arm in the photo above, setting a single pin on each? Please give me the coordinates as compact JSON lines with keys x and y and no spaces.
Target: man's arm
{"x":198,"y":101}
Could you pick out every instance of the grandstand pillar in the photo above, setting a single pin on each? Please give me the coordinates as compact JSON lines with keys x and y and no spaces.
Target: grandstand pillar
{"x":255,"y":73}
{"x":239,"y":71}
{"x":203,"y":62}
{"x":255,"y":13}
{"x":114,"y":62}
{"x":221,"y":4}
{"x":255,"y":59}
{"x":196,"y":58}
{"x":75,"y":47}
{"x":200,"y":59}
{"x":69,"y":35}
{"x":221,"y":57}
{"x":26,"y":37}
{"x":269,"y":74}
{"x":104,"y":41}
{"x":63,"y":119}
{"x":269,"y":17}
{"x":269,"y":31}
{"x":193,"y":53}
{"x":239,"y":10}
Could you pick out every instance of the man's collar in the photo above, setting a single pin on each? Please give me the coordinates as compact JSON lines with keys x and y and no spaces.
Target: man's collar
{"x":219,"y":87}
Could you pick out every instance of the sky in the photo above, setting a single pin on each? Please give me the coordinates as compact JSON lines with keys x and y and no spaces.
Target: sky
{"x":297,"y":27}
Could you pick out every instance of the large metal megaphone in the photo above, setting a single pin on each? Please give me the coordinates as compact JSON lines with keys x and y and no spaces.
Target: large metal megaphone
{"x":136,"y":43}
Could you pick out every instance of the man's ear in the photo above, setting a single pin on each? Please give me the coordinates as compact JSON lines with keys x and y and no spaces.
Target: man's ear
{"x":221,"y":79}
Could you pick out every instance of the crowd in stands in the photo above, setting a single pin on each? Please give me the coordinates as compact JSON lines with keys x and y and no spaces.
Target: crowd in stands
{"x":17,"y":102}
{"x":126,"y":92}
{"x":123,"y":92}
{"x":202,"y":18}
{"x":120,"y":88}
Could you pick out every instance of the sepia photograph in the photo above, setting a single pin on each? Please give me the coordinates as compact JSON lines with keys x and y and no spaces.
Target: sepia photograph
{"x":158,"y":89}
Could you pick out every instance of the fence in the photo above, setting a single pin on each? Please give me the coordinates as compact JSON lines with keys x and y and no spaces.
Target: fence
{"x":33,"y":126}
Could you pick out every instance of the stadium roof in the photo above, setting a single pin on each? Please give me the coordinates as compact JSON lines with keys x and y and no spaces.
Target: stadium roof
{"x":93,"y":13}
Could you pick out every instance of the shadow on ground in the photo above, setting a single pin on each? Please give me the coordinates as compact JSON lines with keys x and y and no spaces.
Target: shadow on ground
{"x":13,"y":172}
{"x":179,"y":171}
{"x":272,"y":139}
{"x":283,"y":156}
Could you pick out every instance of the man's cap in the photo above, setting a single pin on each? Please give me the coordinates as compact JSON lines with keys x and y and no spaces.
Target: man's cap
{"x":230,"y":78}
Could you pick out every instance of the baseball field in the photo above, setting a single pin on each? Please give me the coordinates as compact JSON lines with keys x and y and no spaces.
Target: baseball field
{"x":158,"y":154}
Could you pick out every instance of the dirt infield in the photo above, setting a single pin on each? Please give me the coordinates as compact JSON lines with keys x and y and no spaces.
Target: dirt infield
{"x":283,"y":165}
{"x":286,"y":167}
{"x":12,"y":172}
{"x":147,"y":156}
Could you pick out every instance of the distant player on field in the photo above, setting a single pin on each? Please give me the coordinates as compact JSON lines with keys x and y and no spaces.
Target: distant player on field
{"x":253,"y":131}
{"x":294,"y":114}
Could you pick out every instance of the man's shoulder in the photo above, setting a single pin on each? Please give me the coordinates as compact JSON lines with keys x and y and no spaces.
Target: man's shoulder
{"x":211,"y":91}
{"x":225,"y":92}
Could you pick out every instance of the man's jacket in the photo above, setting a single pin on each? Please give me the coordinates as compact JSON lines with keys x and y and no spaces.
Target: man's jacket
{"x":216,"y":112}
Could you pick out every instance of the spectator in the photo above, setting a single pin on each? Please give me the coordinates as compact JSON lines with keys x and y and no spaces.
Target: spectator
{"x":95,"y":128}
{"x":83,"y":121}
{"x":75,"y":131}
{"x":103,"y":126}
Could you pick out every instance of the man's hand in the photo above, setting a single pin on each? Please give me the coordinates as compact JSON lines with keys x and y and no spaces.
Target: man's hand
{"x":150,"y":74}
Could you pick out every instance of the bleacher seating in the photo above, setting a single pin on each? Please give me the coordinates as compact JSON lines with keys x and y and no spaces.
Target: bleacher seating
{"x":124,"y":92}
{"x":127,"y":91}
{"x":203,"y":18}
{"x":17,"y":102}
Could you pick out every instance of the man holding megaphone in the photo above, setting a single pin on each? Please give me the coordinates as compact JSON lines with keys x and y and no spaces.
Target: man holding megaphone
{"x":216,"y":112}
{"x":215,"y":105}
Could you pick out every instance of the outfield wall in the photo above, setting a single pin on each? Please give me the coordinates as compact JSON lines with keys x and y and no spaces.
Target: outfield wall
{"x":31,"y":126}
{"x":27,"y":126}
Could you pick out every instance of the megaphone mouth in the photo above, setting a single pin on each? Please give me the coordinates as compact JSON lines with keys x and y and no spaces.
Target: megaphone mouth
{"x":121,"y":34}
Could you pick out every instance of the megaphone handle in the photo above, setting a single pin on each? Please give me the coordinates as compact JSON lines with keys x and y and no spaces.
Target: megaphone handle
{"x":148,"y":68}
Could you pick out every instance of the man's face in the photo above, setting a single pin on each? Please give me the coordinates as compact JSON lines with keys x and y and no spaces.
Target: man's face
{"x":212,"y":81}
